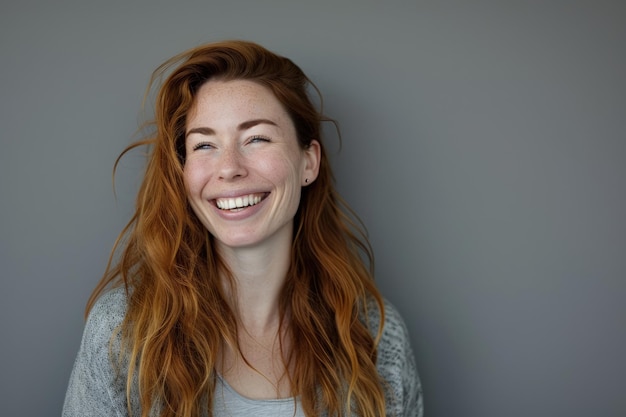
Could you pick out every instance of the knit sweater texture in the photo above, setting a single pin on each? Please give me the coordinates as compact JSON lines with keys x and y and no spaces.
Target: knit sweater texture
{"x":96,"y":389}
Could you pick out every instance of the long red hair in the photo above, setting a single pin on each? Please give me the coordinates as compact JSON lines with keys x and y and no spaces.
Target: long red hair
{"x":178,"y":317}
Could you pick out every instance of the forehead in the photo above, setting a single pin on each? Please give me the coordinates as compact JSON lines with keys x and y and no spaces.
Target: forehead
{"x":219,"y":100}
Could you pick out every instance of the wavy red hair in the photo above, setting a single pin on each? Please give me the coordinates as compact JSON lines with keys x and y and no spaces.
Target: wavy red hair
{"x":178,"y":317}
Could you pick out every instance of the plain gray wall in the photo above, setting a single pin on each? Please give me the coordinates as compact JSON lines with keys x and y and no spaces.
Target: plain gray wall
{"x":484,"y":146}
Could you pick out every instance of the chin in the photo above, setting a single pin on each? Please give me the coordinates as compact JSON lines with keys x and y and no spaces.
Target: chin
{"x":237,"y":241}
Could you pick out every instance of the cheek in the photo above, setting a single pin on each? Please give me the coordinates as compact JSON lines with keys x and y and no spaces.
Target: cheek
{"x":284,"y":173}
{"x":284,"y":167}
{"x":194,"y":178}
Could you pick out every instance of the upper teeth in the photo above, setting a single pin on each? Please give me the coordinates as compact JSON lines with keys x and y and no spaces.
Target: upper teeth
{"x":238,"y":202}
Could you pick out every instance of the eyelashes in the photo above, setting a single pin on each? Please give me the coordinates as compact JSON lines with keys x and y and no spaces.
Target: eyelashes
{"x":252,"y":140}
{"x":258,"y":138}
{"x":202,"y":145}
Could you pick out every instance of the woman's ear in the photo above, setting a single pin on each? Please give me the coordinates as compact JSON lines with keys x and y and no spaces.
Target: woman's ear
{"x":312,"y":156}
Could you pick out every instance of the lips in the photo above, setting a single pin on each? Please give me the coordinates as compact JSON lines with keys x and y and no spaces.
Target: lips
{"x":234,"y":203}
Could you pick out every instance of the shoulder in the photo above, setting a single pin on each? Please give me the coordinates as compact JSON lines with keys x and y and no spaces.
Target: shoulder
{"x":95,"y":386}
{"x":395,"y":336}
{"x":394,"y":346}
{"x":396,"y":362}
{"x":394,"y":328}
{"x":108,"y":311}
{"x":103,"y":321}
{"x":105,"y":317}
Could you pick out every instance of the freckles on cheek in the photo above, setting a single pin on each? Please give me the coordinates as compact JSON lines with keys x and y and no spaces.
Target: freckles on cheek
{"x":192,"y":179}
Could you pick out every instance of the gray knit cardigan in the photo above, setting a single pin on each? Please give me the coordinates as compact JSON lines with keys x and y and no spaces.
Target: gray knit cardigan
{"x":96,"y":389}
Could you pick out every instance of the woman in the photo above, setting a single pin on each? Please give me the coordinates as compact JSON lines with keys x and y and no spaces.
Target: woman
{"x":240,"y":287}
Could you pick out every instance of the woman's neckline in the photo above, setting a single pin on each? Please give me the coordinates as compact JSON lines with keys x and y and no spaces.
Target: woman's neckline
{"x":233,"y":391}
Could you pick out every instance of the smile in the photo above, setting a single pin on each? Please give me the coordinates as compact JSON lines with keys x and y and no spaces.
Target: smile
{"x":238,"y":202}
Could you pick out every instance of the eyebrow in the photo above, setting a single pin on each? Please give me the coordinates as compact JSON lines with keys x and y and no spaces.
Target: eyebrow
{"x":242,"y":126}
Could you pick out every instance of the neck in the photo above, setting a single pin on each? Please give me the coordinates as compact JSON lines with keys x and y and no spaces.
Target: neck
{"x":259,"y":272}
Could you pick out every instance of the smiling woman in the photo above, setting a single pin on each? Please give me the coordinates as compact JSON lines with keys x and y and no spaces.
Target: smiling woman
{"x":240,"y":289}
{"x":245,"y":148}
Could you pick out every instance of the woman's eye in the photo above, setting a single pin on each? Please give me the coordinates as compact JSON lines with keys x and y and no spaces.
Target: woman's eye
{"x":257,"y":139}
{"x":201,"y":146}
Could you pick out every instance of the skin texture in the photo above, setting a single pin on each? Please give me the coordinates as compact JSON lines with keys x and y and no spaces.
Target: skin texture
{"x":226,"y":158}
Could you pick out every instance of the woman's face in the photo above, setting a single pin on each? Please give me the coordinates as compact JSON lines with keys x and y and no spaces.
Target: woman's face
{"x":244,"y":168}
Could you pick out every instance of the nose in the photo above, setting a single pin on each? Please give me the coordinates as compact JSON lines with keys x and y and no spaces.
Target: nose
{"x":231,"y":164}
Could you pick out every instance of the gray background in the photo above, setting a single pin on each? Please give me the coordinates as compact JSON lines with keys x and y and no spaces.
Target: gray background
{"x":484,"y":147}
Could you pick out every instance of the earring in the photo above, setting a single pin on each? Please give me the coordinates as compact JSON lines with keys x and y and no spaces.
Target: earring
{"x":306,"y":180}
